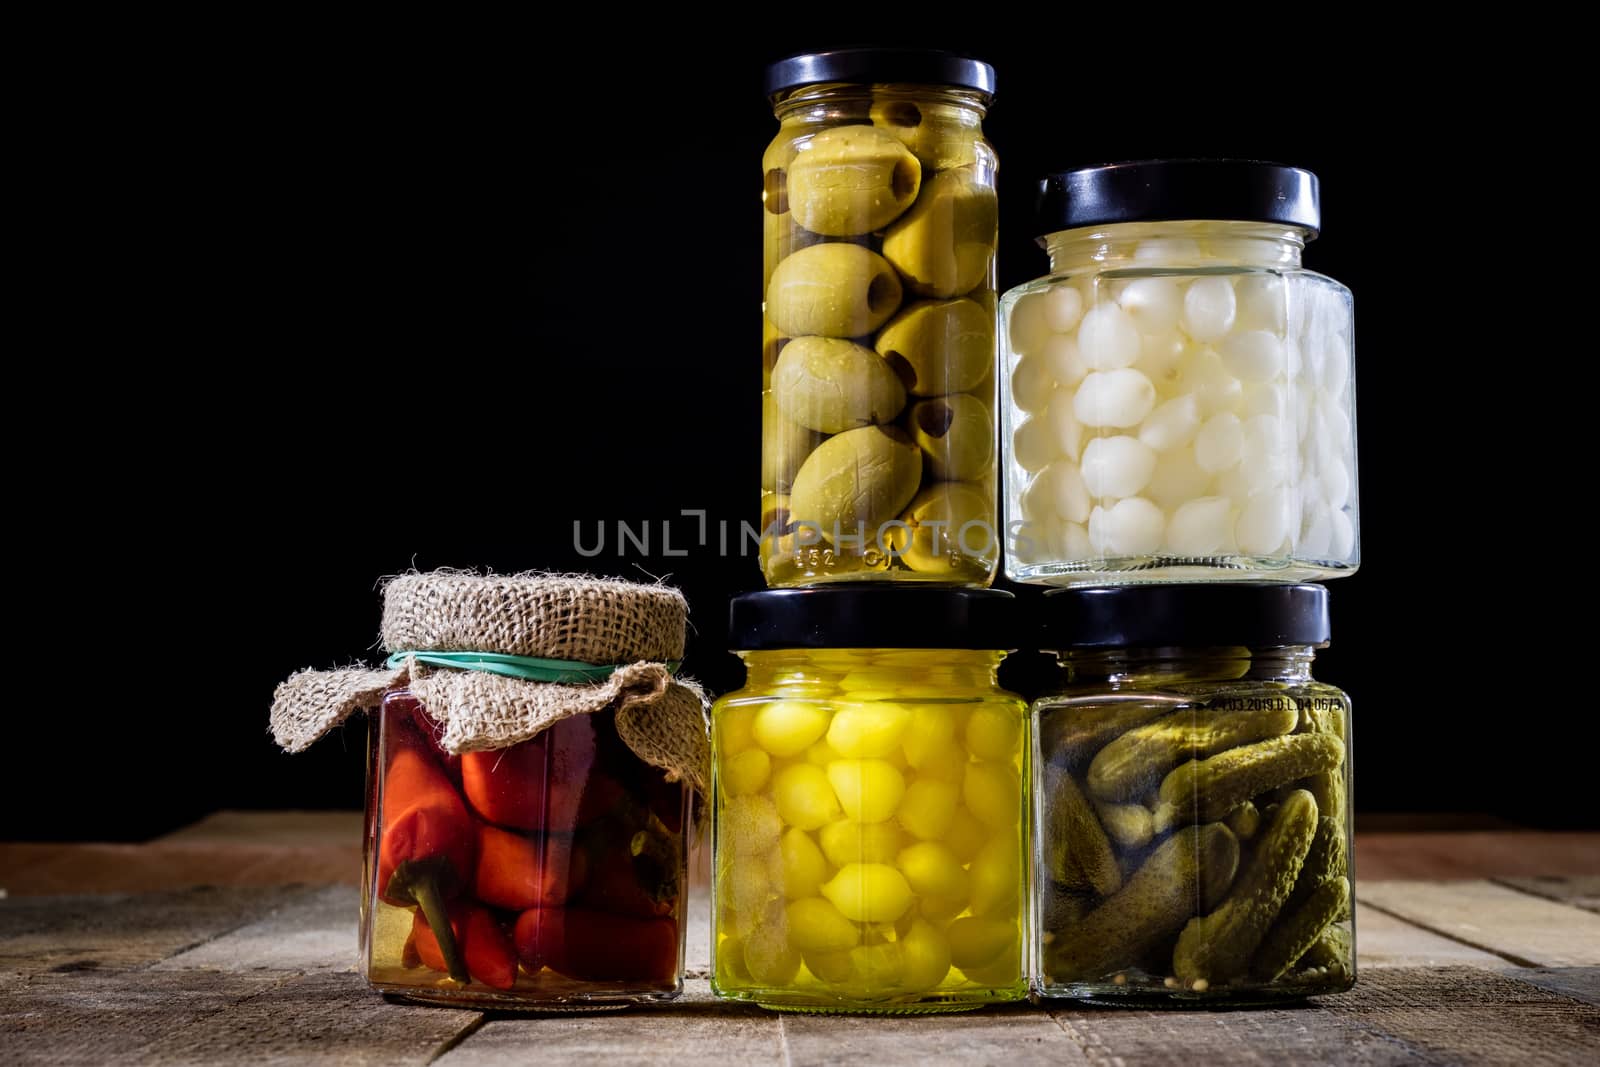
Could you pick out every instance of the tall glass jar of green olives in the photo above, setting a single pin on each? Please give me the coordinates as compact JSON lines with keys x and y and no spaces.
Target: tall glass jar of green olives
{"x":878,"y":456}
{"x":870,"y":821}
{"x":1192,"y":826}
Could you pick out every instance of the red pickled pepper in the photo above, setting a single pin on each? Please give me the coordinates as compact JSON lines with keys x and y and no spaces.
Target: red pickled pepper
{"x":592,"y":946}
{"x":548,"y":782}
{"x":428,"y":847}
{"x":488,"y":951}
{"x":516,"y":872}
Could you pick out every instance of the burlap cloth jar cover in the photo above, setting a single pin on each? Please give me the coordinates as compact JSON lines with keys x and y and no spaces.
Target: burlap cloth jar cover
{"x":636,"y":629}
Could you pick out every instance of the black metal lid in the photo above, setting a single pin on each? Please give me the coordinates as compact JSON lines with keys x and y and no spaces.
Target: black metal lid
{"x":867,"y":66}
{"x":873,"y":615}
{"x":1166,"y":190}
{"x":1259,"y":615}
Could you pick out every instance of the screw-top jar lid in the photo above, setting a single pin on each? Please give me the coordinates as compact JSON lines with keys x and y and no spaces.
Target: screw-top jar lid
{"x":913,"y":66}
{"x":1258,"y":615}
{"x":876,"y":615}
{"x":1167,"y":190}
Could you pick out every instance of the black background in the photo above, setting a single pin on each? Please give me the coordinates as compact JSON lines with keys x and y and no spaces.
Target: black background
{"x":436,"y":307}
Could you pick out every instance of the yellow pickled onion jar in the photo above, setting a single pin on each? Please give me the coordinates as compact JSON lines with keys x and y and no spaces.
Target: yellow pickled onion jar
{"x":870,"y":813}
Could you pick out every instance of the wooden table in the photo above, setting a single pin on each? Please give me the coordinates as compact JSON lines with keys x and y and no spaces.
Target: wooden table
{"x":234,"y":940}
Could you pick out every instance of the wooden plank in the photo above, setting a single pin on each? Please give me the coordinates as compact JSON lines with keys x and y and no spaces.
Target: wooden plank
{"x":1294,"y":1034}
{"x":121,"y":931}
{"x":316,"y":932}
{"x":1581,"y":892}
{"x":326,"y":1018}
{"x":689,"y":1031}
{"x":96,"y":1017}
{"x":1018,"y":1036}
{"x":1384,"y":941}
{"x":34,"y":869}
{"x":1579,"y":983}
{"x":1462,"y":1015}
{"x":1523,"y":929}
{"x":1485,"y":854}
{"x":292,"y":828}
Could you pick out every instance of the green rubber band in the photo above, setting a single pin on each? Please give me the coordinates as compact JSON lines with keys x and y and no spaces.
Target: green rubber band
{"x":529,"y":668}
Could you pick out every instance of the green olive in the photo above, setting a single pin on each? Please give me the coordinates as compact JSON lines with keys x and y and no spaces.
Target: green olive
{"x":940,"y":137}
{"x":943,"y":246}
{"x":784,"y":445}
{"x":851,"y":180}
{"x":956,"y":433}
{"x":773,"y":342}
{"x":948,"y":524}
{"x":832,"y":290}
{"x":856,"y":481}
{"x":939,"y":346}
{"x":830,"y":385}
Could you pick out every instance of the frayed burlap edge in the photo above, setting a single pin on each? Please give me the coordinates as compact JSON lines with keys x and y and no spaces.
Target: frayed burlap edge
{"x":659,"y":717}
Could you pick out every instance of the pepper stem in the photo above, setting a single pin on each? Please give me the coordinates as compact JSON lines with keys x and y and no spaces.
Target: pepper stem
{"x":419,"y":881}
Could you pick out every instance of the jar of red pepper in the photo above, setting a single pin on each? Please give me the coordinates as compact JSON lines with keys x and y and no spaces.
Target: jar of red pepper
{"x":531,"y":764}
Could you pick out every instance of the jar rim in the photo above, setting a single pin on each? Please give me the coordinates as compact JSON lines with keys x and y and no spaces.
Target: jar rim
{"x":914,"y":66}
{"x":1206,"y":614}
{"x":1179,"y":190}
{"x":887,"y":615}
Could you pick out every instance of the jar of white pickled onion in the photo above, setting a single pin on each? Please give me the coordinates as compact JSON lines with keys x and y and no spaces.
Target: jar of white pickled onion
{"x":1179,"y":394}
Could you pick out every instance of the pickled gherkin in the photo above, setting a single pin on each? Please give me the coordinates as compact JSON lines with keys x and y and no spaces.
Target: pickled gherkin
{"x":869,"y":847}
{"x":1170,"y":746}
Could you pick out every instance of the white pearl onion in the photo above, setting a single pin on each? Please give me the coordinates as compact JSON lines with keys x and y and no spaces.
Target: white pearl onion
{"x":1130,"y":527}
{"x":1318,"y":533}
{"x":1203,"y":374}
{"x":1202,"y":527}
{"x":1264,"y":523}
{"x":1032,"y":384}
{"x":1069,"y":432}
{"x":1153,"y":304}
{"x":1033,"y":445}
{"x":1108,"y":338}
{"x":1208,"y":309}
{"x":1120,"y":398}
{"x":1159,"y":357}
{"x":1172,"y":425}
{"x":1061,"y":355}
{"x":1220,"y":443}
{"x":1073,"y":540}
{"x":1261,"y":303}
{"x":1028,"y":328}
{"x":1063,"y":307}
{"x":1117,"y":466}
{"x":1335,"y":482}
{"x":1335,"y":364}
{"x":1063,"y":488}
{"x":1254,"y":356}
{"x":1267,"y":400}
{"x":1168,"y":251}
{"x":1268,"y":457}
{"x":1343,"y":544}
{"x":1177,"y":478}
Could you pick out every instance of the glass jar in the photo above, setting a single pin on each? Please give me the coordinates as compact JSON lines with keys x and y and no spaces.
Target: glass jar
{"x":878,"y":456}
{"x":869,"y":823}
{"x":1192,"y":809}
{"x":1179,"y":399}
{"x":547,"y":874}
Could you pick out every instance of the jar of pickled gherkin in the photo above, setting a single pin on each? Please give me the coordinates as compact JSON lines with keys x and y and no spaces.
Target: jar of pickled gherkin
{"x":878,"y":456}
{"x":1192,"y":812}
{"x":869,"y":820}
{"x":1179,"y":391}
{"x":530,"y":763}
